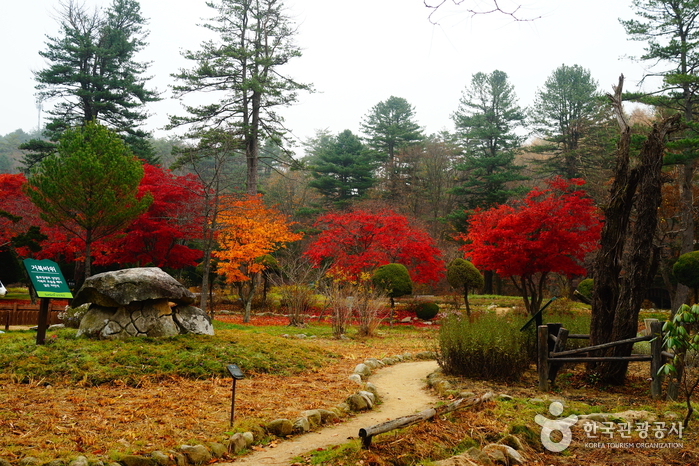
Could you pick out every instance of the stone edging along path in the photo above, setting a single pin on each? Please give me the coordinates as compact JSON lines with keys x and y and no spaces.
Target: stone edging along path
{"x":363,"y":400}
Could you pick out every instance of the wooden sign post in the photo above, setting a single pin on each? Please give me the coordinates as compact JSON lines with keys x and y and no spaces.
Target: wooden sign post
{"x":48,"y":282}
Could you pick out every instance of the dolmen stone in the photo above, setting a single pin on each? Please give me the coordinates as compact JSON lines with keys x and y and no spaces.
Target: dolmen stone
{"x":142,"y":301}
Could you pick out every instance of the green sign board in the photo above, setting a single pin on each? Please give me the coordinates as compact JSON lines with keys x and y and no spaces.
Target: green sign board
{"x":47,"y":279}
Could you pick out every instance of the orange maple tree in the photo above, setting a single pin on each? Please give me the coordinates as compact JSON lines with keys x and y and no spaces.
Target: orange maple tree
{"x":249,"y":230}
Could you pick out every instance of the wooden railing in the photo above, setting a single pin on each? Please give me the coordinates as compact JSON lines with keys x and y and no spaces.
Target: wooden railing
{"x":552,"y":353}
{"x":27,"y":314}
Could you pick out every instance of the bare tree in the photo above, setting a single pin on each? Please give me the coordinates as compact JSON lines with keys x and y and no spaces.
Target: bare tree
{"x":492,"y":6}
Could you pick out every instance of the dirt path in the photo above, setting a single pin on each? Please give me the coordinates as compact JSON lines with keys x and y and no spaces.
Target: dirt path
{"x":401,"y":390}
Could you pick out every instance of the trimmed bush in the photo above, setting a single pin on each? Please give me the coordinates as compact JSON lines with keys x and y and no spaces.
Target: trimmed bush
{"x":464,"y":276}
{"x":490,"y":347}
{"x":427,"y":310}
{"x":686,"y":271}
{"x":394,"y":279}
{"x":585,"y":287}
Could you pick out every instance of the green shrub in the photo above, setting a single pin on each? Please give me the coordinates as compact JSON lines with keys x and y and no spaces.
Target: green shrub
{"x":462,"y":275}
{"x":394,"y":279}
{"x":585,"y":287}
{"x":427,"y":310}
{"x":490,"y":347}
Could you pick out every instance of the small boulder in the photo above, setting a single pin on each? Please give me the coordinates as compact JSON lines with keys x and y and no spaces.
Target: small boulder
{"x":237,"y":443}
{"x":327,"y":416}
{"x":161,"y":458}
{"x":191,"y":319}
{"x":196,"y":454}
{"x":363,"y":370}
{"x":280,"y":427}
{"x":357,"y":402}
{"x":503,"y":453}
{"x":301,"y":425}
{"x":79,"y":461}
{"x":314,"y":417}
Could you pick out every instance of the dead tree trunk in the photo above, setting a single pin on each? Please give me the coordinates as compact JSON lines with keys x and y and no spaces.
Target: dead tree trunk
{"x":624,"y":266}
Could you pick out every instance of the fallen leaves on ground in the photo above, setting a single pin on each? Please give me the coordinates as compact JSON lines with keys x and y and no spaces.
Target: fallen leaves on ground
{"x":50,"y":422}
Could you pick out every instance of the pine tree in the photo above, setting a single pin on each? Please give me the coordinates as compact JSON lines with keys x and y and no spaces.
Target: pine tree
{"x":242,"y":69}
{"x":93,"y":71}
{"x":89,"y":188}
{"x":485,"y":122}
{"x":390,"y":126}
{"x":391,"y":129}
{"x":343,"y":169}
{"x":566,"y":110}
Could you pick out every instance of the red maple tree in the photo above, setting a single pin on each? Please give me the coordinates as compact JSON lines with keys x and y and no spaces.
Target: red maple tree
{"x":157,"y":237}
{"x":549,"y":231}
{"x":17,"y":213}
{"x":18,"y":216}
{"x":360,"y":241}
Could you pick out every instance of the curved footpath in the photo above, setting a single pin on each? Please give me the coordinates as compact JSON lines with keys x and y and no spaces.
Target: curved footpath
{"x":401,"y":390}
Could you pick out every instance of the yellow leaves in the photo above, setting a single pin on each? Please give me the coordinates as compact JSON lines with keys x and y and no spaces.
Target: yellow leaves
{"x":250,"y":230}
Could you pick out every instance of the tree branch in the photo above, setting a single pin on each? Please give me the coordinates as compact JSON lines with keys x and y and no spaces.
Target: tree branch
{"x":437,"y":4}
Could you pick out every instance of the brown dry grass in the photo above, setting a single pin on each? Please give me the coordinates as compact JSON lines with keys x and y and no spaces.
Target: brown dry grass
{"x":62,"y":421}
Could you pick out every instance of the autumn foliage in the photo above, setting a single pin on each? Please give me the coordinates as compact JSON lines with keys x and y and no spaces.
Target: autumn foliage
{"x":18,"y":215}
{"x":360,"y":241}
{"x":157,"y":236}
{"x":249,"y":230}
{"x":549,"y":231}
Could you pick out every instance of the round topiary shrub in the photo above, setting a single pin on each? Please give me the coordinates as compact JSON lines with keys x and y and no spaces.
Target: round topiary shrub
{"x":463,"y":275}
{"x":427,"y":310}
{"x":686,"y":269}
{"x":585,"y":287}
{"x":394,"y":279}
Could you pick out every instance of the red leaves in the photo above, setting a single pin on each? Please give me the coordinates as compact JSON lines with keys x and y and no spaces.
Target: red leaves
{"x":360,"y":241}
{"x":156,"y":236}
{"x":551,"y":230}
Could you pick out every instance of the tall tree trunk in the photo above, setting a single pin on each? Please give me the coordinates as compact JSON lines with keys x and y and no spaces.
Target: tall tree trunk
{"x":252,"y":149}
{"x":88,"y":254}
{"x":686,"y":202}
{"x":488,"y":281}
{"x":246,"y":296}
{"x":623,"y":272}
{"x":212,"y":205}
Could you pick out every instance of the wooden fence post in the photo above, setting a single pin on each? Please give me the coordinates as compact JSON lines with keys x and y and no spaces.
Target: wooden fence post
{"x":656,"y":350}
{"x":543,"y":356}
{"x":560,"y":345}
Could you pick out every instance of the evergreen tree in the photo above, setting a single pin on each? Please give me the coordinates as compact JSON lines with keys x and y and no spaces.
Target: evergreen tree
{"x":93,"y":71}
{"x":390,"y":126}
{"x":566,"y":109}
{"x":344,"y":169}
{"x":89,"y":187}
{"x":390,"y":129}
{"x":671,"y":30}
{"x":243,"y":71}
{"x":485,"y":122}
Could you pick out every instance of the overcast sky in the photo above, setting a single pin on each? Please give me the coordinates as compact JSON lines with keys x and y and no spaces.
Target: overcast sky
{"x":357,"y":53}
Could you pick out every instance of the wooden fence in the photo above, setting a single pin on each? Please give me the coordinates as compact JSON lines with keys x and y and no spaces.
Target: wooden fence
{"x":27,"y":314}
{"x":552,"y":353}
